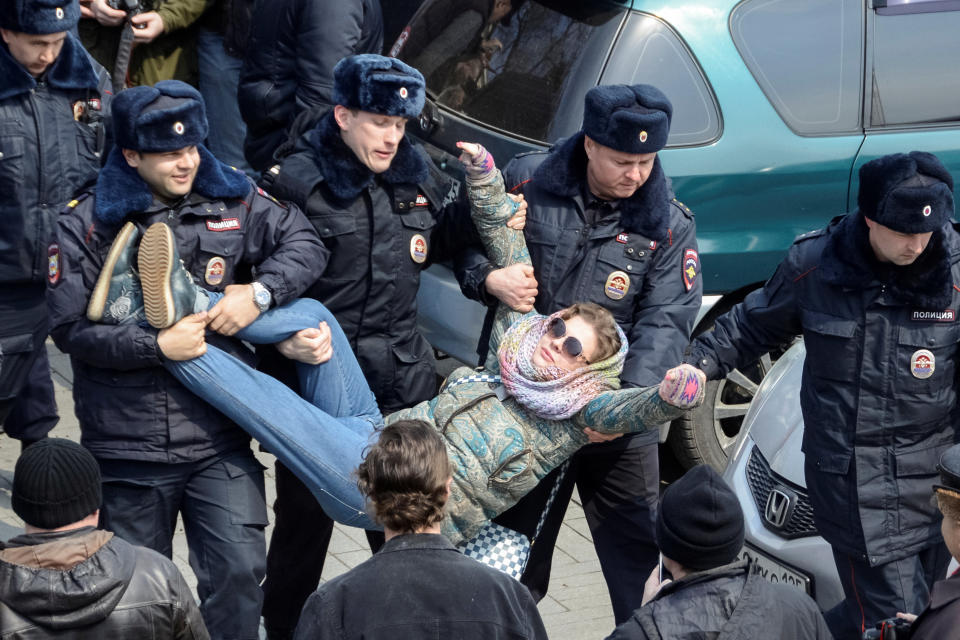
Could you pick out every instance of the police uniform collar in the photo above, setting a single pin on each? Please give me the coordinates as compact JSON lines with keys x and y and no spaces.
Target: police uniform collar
{"x":73,"y":69}
{"x":346,"y":176}
{"x":563,"y":173}
{"x":849,"y":261}
{"x":121,"y":191}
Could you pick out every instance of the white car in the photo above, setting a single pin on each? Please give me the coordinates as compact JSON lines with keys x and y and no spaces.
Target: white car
{"x":766,"y":472}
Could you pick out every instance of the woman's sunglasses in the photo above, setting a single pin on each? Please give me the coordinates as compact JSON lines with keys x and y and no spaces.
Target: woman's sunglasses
{"x":571,"y":346}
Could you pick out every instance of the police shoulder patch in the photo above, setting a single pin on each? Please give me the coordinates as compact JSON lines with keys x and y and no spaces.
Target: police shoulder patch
{"x":53,"y":264}
{"x":691,"y":268}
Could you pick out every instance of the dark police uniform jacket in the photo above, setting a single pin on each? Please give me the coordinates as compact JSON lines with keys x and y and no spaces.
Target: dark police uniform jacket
{"x":879,"y":392}
{"x":227,"y":231}
{"x":51,"y":141}
{"x":637,"y":258}
{"x":381,"y":232}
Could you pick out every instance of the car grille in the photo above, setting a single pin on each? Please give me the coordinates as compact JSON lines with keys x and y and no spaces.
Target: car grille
{"x":762,"y":481}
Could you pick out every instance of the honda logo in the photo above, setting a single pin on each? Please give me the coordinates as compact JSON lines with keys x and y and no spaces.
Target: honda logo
{"x":779,"y":507}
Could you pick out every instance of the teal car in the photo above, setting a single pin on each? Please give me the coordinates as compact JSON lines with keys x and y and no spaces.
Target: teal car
{"x":777,"y":103}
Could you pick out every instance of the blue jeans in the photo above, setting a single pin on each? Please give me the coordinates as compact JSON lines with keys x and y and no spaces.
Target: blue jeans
{"x":321,"y":436}
{"x":219,"y":77}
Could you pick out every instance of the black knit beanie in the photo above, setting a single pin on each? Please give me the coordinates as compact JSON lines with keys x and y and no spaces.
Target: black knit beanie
{"x":56,"y":482}
{"x":700,"y":522}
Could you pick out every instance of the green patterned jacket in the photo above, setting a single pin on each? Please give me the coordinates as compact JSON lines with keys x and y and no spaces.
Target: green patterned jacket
{"x":498,"y":450}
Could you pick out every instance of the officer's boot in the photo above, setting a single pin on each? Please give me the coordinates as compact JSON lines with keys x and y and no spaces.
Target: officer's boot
{"x":169,"y":292}
{"x":116,"y":297}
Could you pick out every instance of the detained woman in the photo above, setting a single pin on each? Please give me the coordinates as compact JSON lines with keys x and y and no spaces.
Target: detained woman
{"x":504,"y":427}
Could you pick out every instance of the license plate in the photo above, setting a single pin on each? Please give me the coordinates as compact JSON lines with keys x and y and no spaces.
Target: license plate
{"x":771,"y":570}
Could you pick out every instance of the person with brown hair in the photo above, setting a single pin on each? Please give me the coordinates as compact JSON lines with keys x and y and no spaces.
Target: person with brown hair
{"x":406,"y":476}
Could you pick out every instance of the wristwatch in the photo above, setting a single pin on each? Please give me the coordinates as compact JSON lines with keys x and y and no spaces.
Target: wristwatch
{"x":261,"y":296}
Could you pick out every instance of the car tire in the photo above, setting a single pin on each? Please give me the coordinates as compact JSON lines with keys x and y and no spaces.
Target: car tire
{"x":706,"y":435}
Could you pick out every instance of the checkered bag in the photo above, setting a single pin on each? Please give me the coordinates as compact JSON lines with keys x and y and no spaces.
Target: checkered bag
{"x":496,"y":546}
{"x":505,"y":549}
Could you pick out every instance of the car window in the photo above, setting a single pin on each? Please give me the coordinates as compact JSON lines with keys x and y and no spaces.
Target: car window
{"x":910,"y":88}
{"x":807,"y":56}
{"x":649,"y":52}
{"x":512,"y":71}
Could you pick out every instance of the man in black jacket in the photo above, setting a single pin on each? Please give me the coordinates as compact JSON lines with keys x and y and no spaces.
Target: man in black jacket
{"x":66,"y":578}
{"x":875,"y":296}
{"x":53,"y":101}
{"x":383,"y":212}
{"x":418,"y":585}
{"x":162,"y":450}
{"x":288,"y":67}
{"x":712,"y":595}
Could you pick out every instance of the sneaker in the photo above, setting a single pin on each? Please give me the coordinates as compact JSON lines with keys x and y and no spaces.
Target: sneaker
{"x":116,"y":297}
{"x":169,"y":292}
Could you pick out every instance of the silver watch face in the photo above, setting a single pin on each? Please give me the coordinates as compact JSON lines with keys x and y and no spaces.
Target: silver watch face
{"x":261,"y":296}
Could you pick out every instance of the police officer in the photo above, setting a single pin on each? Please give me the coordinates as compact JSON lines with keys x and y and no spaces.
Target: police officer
{"x":381,"y":208}
{"x":603,"y":227}
{"x":52,"y":97}
{"x":942,"y":614}
{"x":161,"y":450}
{"x":875,"y":296}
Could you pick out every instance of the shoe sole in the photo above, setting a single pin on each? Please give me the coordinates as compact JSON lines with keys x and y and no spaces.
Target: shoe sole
{"x":157,"y":255}
{"x":98,"y":299}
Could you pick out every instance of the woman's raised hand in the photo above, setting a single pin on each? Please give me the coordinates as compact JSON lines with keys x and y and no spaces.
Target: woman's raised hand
{"x":477,"y":161}
{"x":683,"y":386}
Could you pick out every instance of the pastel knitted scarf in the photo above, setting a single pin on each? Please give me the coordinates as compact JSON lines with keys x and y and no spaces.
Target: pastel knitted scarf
{"x":552,"y":392}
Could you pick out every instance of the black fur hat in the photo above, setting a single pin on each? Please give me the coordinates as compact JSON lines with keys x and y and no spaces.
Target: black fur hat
{"x":39,"y":17}
{"x":949,"y":468}
{"x":165,"y":117}
{"x":907,"y":192}
{"x":632,"y":119}
{"x":378,"y":84}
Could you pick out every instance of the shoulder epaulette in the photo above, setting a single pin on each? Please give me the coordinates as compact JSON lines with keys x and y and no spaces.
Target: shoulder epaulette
{"x":684,"y":208}
{"x":816,"y":233}
{"x":70,"y":206}
{"x":266,"y":194}
{"x":531,"y":153}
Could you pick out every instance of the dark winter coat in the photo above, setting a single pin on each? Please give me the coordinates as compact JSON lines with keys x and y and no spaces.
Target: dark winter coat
{"x":649,"y":238}
{"x":128,"y":406}
{"x":370,"y":224}
{"x":46,"y":154}
{"x":232,"y":19}
{"x":726,"y":603}
{"x":89,"y":584}
{"x":434,"y":592}
{"x":288,"y":68}
{"x":170,"y":56}
{"x":941,"y":618}
{"x":879,"y":392}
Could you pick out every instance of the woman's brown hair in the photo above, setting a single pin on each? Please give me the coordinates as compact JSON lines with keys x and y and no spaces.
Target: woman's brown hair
{"x":405,"y":475}
{"x":608,"y":340}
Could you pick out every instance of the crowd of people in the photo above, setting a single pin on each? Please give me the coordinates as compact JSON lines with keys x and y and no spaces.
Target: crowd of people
{"x":180,"y":180}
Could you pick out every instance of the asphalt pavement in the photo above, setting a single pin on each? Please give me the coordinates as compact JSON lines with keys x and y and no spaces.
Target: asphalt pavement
{"x":576,"y":607}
